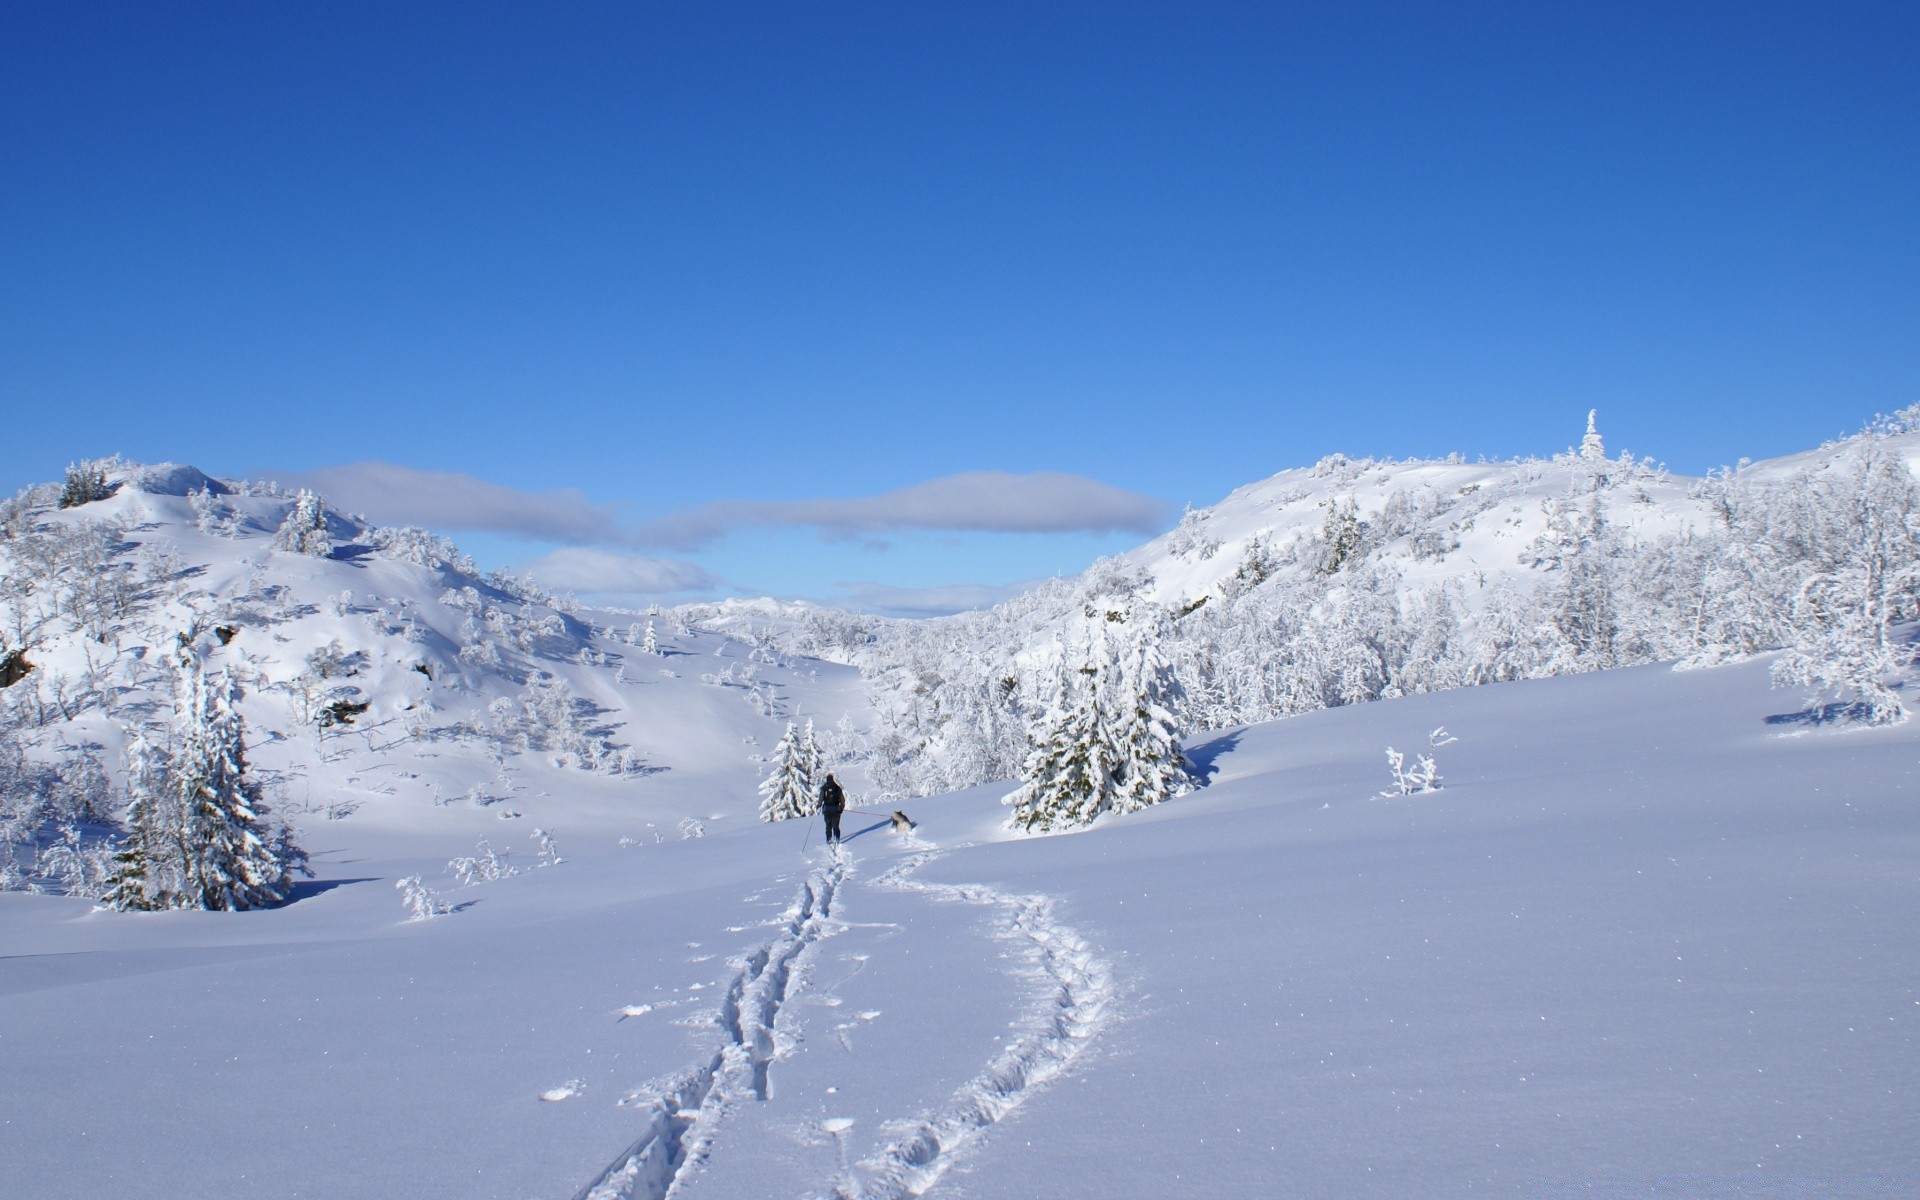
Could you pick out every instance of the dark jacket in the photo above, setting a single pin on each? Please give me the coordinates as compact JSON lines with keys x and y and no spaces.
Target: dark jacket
{"x":832,"y":799}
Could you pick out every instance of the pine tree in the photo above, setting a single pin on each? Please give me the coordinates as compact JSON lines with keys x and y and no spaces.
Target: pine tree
{"x":787,"y":791}
{"x":226,"y":848}
{"x":1149,"y":762}
{"x":1592,"y":449}
{"x":1069,"y":769}
{"x":810,"y":755}
{"x":305,"y":529}
{"x":86,"y":482}
{"x":649,"y":644}
{"x":145,"y":865}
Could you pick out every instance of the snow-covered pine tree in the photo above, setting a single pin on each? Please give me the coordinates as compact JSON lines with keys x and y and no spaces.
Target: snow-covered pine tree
{"x":1592,"y":449}
{"x":649,"y":641}
{"x":1149,"y":766}
{"x":86,"y":482}
{"x":1069,"y":770}
{"x":146,"y":865}
{"x":816,"y":769}
{"x":305,"y":529}
{"x":1341,"y":536}
{"x":787,"y":791}
{"x":230,"y":861}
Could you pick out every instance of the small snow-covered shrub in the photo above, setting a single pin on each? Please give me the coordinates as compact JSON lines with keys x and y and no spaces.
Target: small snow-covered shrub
{"x":1423,"y":777}
{"x":485,"y":865}
{"x":421,"y":903}
{"x":549,"y":849}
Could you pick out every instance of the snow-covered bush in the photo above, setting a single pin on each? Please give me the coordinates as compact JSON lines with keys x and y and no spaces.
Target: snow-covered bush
{"x":549,"y":850}
{"x":485,"y":865}
{"x":421,"y":902}
{"x":1424,"y":776}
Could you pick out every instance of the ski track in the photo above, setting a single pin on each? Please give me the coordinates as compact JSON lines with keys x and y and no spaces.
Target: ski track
{"x":684,"y":1115}
{"x":1071,"y":1013}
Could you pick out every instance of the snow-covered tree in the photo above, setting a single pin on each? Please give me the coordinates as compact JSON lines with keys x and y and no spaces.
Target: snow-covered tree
{"x":649,"y":641}
{"x":811,"y":756}
{"x":1148,"y":763}
{"x":1069,"y":772}
{"x":787,"y":791}
{"x":226,"y":842}
{"x":1843,"y":640}
{"x":147,"y":865}
{"x":86,"y":482}
{"x":1341,"y":536}
{"x":198,"y":834}
{"x":1592,"y":449}
{"x":305,"y":529}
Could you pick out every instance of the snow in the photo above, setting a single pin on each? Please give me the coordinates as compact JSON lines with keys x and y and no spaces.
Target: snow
{"x":1651,"y":935}
{"x":1642,"y":931}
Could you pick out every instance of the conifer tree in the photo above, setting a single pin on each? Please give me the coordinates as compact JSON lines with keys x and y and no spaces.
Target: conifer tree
{"x":1069,"y":768}
{"x":1592,"y":448}
{"x":810,"y":755}
{"x":146,"y":865}
{"x":649,"y":643}
{"x":787,"y":791}
{"x":227,"y":851}
{"x":1150,"y":765}
{"x":86,"y":482}
{"x":305,"y":529}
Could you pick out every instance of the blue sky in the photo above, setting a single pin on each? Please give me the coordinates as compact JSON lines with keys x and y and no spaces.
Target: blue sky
{"x":781,"y":271}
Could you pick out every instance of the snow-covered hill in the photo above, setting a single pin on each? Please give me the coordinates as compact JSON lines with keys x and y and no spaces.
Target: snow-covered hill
{"x":386,"y":682}
{"x":1355,"y":580}
{"x":1651,"y":936}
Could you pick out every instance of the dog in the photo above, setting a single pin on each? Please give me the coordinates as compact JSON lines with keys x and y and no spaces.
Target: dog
{"x":901,"y":822}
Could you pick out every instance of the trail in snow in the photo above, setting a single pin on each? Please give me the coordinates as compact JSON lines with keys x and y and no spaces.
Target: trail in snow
{"x":1070,"y":1014}
{"x":684,"y":1115}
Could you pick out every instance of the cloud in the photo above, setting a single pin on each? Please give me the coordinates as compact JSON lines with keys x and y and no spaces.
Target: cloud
{"x":891,"y":601}
{"x":972,"y":501}
{"x":449,"y":500}
{"x":969,"y":502}
{"x":585,"y":569}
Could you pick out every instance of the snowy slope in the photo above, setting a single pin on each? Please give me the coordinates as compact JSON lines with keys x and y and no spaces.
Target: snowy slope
{"x":1654,"y":928}
{"x":446,"y":661}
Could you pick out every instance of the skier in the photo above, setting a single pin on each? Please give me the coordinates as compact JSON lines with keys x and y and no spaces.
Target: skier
{"x":833,"y":801}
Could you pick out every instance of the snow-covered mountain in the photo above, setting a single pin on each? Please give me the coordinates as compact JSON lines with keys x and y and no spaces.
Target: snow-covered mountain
{"x":1357,"y":579}
{"x":385,"y":680}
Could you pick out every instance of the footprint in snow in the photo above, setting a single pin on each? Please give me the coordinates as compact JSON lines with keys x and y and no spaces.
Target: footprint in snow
{"x":566,"y":1091}
{"x":635,"y":1010}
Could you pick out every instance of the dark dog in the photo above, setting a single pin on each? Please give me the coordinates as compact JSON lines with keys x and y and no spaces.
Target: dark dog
{"x":901,"y":824}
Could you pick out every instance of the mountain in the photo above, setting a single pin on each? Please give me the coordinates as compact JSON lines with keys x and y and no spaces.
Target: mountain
{"x":385,"y":680}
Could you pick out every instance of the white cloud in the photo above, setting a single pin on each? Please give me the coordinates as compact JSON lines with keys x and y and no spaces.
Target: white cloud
{"x":585,"y":569}
{"x":972,"y":501}
{"x":449,"y":500}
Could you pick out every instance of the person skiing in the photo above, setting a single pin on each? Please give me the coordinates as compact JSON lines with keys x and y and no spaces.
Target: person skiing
{"x":833,"y":802}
